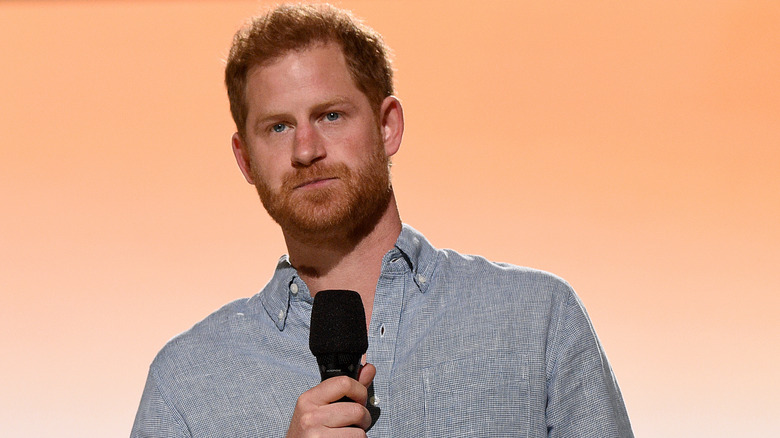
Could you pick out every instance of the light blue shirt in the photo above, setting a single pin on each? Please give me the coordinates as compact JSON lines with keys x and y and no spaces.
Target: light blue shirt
{"x":463,"y":347}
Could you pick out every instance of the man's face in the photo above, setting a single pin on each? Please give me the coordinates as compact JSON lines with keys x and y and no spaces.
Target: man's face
{"x":313,"y":144}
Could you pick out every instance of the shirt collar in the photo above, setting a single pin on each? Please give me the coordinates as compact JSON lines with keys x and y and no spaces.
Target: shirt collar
{"x":420,"y":255}
{"x":285,"y":285}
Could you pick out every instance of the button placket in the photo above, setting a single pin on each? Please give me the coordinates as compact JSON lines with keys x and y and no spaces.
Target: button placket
{"x":384,"y":330}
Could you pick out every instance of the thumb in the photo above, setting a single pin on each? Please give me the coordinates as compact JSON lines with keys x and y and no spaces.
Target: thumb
{"x":366,"y":374}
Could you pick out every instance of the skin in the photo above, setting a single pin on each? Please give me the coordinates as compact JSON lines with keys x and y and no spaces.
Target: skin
{"x":306,"y":112}
{"x":316,"y":414}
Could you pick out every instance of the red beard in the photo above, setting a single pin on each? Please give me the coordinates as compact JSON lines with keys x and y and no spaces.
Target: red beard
{"x":352,"y":203}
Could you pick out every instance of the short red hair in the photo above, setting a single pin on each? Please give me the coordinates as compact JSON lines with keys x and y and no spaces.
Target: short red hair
{"x":295,"y":27}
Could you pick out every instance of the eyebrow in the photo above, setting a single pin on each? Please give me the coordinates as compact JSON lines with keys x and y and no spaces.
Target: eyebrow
{"x":336,"y":101}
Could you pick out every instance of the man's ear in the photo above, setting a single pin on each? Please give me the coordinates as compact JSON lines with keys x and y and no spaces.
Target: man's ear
{"x":391,"y":123}
{"x":242,"y":157}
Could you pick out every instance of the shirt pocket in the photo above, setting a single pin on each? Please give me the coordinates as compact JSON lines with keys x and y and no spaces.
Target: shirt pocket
{"x":482,"y":395}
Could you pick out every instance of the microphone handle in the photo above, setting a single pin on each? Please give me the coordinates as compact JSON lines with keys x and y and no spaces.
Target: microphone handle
{"x":339,"y":364}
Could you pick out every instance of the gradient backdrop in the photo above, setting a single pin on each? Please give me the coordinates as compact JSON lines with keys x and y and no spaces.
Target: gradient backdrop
{"x":631,"y":147}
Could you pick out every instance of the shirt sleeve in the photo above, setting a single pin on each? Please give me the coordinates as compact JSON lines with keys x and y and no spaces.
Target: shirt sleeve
{"x":155,"y":417}
{"x":583,"y":398}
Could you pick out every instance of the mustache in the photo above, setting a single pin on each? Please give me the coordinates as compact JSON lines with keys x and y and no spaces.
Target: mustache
{"x":315,"y":172}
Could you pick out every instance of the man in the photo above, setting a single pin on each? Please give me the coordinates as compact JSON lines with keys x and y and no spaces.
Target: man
{"x":458,"y":345}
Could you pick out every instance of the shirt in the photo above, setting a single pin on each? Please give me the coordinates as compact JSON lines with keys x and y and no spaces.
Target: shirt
{"x":463,"y":347}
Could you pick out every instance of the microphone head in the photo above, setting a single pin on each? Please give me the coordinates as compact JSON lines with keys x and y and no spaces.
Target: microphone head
{"x":338,"y":323}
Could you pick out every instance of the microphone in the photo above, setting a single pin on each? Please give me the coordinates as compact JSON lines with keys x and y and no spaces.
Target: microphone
{"x":337,"y":335}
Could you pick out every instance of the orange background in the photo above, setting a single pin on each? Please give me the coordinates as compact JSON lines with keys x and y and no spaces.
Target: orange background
{"x":630,"y":147}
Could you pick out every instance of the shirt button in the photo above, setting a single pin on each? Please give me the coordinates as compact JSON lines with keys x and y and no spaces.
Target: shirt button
{"x":421,"y":278}
{"x":374,"y":400}
{"x":294,"y":289}
{"x":281,"y":314}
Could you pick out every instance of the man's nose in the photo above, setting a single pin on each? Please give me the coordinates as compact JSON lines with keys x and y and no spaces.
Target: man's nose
{"x":308,"y":146}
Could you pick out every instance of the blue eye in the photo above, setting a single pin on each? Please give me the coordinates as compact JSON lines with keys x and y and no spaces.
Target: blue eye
{"x":331,"y":116}
{"x":279,"y":127}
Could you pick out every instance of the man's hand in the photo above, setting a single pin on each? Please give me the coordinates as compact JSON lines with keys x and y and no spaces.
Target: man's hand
{"x":316,"y":414}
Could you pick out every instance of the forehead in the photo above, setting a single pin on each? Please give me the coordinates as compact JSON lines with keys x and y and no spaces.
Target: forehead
{"x":299,"y":77}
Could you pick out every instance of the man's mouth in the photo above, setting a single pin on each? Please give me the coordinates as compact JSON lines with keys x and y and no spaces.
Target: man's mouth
{"x":315,"y":182}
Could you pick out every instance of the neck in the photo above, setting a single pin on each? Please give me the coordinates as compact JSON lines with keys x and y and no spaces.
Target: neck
{"x":346,"y":260}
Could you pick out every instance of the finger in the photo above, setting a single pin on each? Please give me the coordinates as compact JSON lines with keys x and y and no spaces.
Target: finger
{"x":366,"y":374}
{"x":335,"y":419}
{"x":345,"y":414}
{"x":334,"y":389}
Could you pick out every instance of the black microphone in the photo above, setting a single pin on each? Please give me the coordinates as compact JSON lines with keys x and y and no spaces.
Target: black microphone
{"x":337,"y":335}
